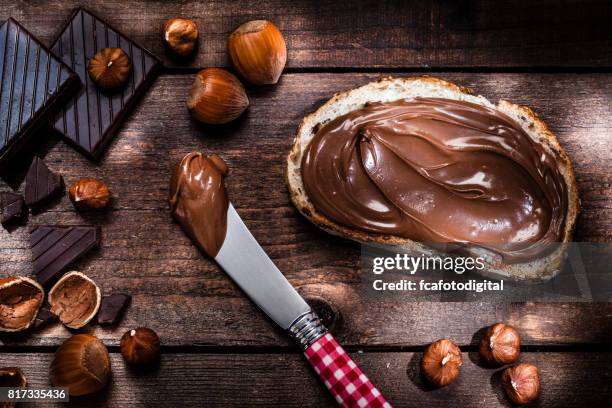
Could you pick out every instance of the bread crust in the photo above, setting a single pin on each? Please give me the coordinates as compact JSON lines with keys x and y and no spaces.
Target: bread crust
{"x":391,"y":89}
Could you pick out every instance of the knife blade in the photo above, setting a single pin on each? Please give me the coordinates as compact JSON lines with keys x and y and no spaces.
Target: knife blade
{"x":249,"y":266}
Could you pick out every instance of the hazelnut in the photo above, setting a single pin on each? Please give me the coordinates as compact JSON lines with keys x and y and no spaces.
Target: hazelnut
{"x":81,"y":364}
{"x":258,"y":52}
{"x":521,"y":383}
{"x":140,"y":346}
{"x":110,"y":68}
{"x":75,"y":299}
{"x":11,"y":377}
{"x":216,"y":97}
{"x":180,"y":35}
{"x":89,"y":193}
{"x":20,"y":300}
{"x":441,"y":362}
{"x":500,"y":345}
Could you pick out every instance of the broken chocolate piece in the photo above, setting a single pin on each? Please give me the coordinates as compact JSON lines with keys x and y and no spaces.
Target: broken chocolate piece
{"x":12,"y":208}
{"x":41,"y":184}
{"x":44,"y":317}
{"x":112,"y":309}
{"x":90,"y":119}
{"x":54,"y":248}
{"x":34,"y":86}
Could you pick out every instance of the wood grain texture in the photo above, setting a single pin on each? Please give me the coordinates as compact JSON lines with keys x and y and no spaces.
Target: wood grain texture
{"x":365,"y":34}
{"x":227,"y":380}
{"x":184,"y":296}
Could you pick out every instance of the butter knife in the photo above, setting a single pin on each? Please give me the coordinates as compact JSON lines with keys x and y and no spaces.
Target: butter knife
{"x":249,"y":266}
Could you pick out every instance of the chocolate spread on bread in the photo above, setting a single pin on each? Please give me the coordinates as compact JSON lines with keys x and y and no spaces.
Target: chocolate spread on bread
{"x":438,"y":171}
{"x":198,"y":200}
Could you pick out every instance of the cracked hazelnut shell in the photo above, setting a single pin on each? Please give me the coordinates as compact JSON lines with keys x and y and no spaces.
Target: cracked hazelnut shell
{"x":500,"y":345}
{"x":441,"y":362}
{"x":521,"y":383}
{"x":81,"y":364}
{"x":20,"y":300}
{"x":75,"y":299}
{"x":12,"y":377}
{"x":258,"y":51}
{"x":140,"y":347}
{"x":110,"y":68}
{"x":89,"y":193}
{"x":216,"y":97}
{"x":180,"y":35}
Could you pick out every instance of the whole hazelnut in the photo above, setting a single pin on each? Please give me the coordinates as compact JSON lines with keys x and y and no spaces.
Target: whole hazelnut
{"x":216,"y":97}
{"x":140,"y":346}
{"x":180,"y":35}
{"x":441,"y":362}
{"x":258,"y":52}
{"x":110,"y":68}
{"x":521,"y":383}
{"x":89,"y":193}
{"x":500,"y":345}
{"x":81,"y":364}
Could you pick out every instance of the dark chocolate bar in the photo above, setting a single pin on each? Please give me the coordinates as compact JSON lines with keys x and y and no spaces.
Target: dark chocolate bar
{"x":112,"y":308}
{"x":54,"y":248}
{"x":91,"y":118}
{"x":41,"y":184}
{"x":44,"y":317}
{"x":12,"y":208}
{"x":34,"y":85}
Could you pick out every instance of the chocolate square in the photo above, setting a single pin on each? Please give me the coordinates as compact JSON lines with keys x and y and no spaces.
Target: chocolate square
{"x":54,"y":248}
{"x":41,"y":184}
{"x":90,"y":120}
{"x":12,"y":208}
{"x":112,"y":308}
{"x":34,"y":84}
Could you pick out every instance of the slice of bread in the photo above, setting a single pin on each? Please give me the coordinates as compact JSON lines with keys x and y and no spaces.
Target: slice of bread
{"x":392,"y":89}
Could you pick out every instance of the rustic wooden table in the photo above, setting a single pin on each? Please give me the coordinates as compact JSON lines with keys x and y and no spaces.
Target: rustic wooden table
{"x":219,"y":350}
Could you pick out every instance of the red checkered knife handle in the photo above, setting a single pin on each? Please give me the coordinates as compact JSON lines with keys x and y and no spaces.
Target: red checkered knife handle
{"x":342,"y":377}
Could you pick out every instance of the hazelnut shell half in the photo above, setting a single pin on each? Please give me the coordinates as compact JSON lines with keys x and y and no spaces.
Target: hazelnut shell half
{"x":75,"y":299}
{"x":441,"y":362}
{"x":12,"y":377}
{"x":20,"y":300}
{"x":500,"y":345}
{"x":81,"y":364}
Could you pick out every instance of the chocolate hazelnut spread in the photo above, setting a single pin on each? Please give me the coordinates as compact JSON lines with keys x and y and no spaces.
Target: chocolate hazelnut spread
{"x":198,"y":200}
{"x":438,"y":171}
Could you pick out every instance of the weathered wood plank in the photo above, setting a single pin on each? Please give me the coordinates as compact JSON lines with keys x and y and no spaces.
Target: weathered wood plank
{"x":227,"y":380}
{"x":373,"y":33}
{"x":191,"y":302}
